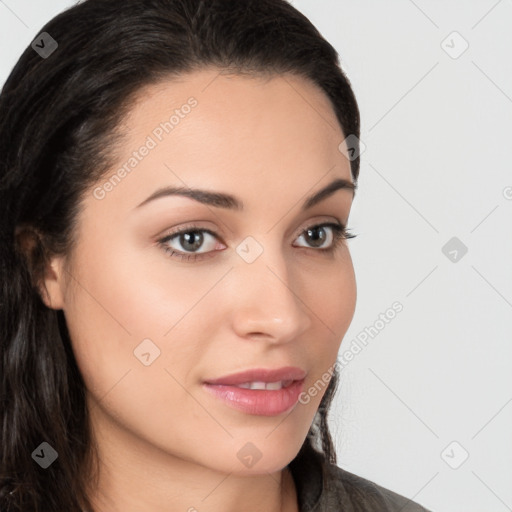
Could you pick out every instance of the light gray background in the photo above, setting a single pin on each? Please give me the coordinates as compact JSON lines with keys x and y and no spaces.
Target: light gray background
{"x":437,"y":165}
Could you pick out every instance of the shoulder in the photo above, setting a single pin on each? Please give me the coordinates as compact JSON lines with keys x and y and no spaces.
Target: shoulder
{"x":322,"y":486}
{"x":362,"y":495}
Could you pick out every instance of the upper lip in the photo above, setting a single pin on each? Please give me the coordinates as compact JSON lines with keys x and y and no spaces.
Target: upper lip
{"x":260,"y":375}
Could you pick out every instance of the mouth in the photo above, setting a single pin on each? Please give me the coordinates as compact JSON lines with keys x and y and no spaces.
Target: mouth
{"x":258,"y":397}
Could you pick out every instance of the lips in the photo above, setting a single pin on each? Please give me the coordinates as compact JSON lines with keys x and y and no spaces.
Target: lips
{"x":259,"y":391}
{"x":287,"y":373}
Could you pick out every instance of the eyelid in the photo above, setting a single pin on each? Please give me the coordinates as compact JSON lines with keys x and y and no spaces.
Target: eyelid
{"x":319,"y":222}
{"x":197,"y":225}
{"x":189,"y":226}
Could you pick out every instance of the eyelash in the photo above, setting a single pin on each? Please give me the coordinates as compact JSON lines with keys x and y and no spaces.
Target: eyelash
{"x":340,"y":233}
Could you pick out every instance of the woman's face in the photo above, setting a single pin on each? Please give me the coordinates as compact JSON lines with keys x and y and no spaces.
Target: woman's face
{"x":253,"y":291}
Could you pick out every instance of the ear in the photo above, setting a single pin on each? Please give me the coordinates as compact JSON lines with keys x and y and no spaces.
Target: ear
{"x":52,"y":285}
{"x":47,"y":273}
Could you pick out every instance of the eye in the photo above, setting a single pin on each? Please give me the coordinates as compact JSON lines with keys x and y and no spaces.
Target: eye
{"x":191,"y":238}
{"x":317,"y":235}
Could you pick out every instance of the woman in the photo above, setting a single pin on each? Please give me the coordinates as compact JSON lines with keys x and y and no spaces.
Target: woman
{"x":176,"y":179}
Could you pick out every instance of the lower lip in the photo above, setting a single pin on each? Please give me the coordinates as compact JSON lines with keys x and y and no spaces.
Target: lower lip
{"x":261,"y":402}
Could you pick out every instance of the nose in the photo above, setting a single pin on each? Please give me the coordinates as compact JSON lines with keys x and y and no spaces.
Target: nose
{"x":269,"y":299}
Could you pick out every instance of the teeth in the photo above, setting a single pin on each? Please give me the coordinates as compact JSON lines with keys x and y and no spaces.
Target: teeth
{"x":265,"y":385}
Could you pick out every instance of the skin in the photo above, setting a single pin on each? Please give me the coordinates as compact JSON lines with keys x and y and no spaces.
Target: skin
{"x":165,"y":443}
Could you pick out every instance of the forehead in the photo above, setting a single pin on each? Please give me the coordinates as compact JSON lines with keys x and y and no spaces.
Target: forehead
{"x":222,"y":91}
{"x":266,"y":110}
{"x":206,"y":129}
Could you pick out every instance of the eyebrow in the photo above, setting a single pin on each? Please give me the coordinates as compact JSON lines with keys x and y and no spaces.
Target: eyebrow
{"x":222,"y":200}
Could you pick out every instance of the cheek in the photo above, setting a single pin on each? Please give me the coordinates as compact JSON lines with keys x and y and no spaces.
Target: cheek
{"x":116,"y":304}
{"x":333,"y":309}
{"x":115,"y":311}
{"x":331,"y":295}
